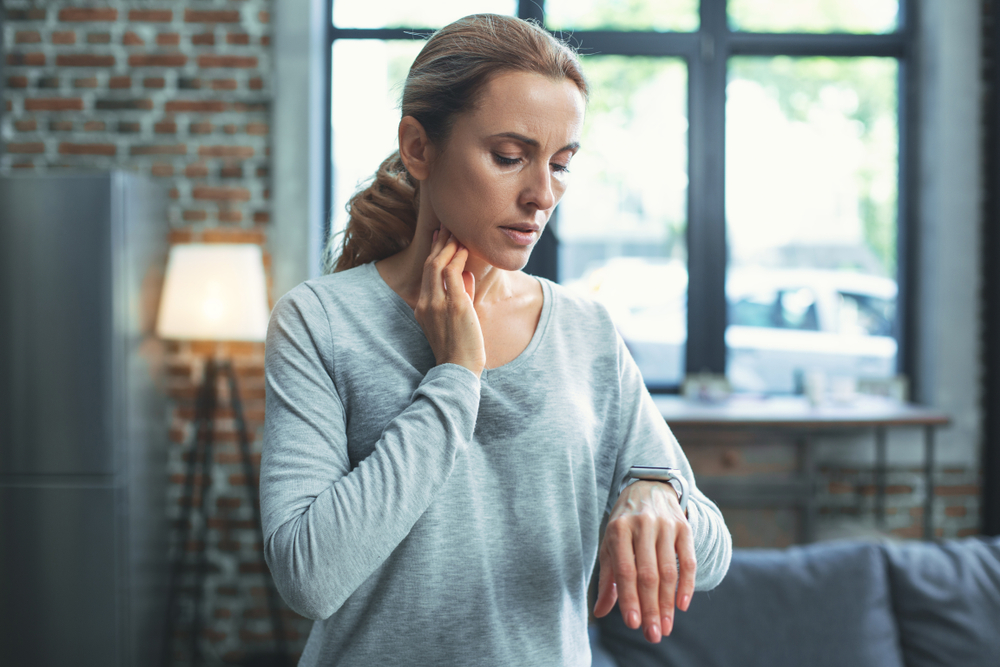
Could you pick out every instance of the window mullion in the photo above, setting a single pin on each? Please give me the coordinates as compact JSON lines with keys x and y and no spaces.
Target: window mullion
{"x":706,"y":231}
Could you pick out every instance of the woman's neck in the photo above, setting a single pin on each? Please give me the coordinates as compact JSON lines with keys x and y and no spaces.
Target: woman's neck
{"x":404,"y":271}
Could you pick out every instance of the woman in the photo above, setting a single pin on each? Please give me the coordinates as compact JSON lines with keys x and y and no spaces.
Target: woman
{"x":444,"y":434}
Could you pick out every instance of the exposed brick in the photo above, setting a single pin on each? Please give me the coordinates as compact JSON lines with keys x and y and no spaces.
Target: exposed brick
{"x":159,"y":149}
{"x":174,"y":193}
{"x":957,"y":490}
{"x":168,"y":39}
{"x":118,"y":82}
{"x":53,"y":104}
{"x":84,"y":60}
{"x":99,"y":38}
{"x":188,"y":83}
{"x":249,"y":107}
{"x":224,"y":84}
{"x":230,"y":128}
{"x":151,"y":15}
{"x":955,"y":510}
{"x":196,"y":106}
{"x":231,"y":171}
{"x":26,"y":59}
{"x":194,"y":216}
{"x":47,"y":82}
{"x":61,"y":126}
{"x":85,"y":82}
{"x":222,"y":613}
{"x":25,"y":15}
{"x":63,"y":37}
{"x":23,"y":165}
{"x":220,"y":193}
{"x":29,"y":125}
{"x":226,"y":151}
{"x":257,"y":129}
{"x":204,"y":39}
{"x":264,"y":17}
{"x":129,"y":127}
{"x":94,"y":126}
{"x":88,"y":14}
{"x":215,"y":60}
{"x":240,"y":38}
{"x":68,"y":148}
{"x":261,"y":217}
{"x":157,"y":60}
{"x":17,"y":82}
{"x":28,"y":147}
{"x":230,"y":215}
{"x":132,"y":39}
{"x":123,"y":105}
{"x":263,"y":171}
{"x":200,"y":127}
{"x":265,"y":40}
{"x":165,"y":127}
{"x":196,"y":170}
{"x":228,"y":503}
{"x":27,"y":37}
{"x":154,"y":82}
{"x":966,"y":532}
{"x":210,"y":16}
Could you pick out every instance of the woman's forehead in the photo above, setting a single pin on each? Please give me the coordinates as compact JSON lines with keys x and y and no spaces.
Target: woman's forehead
{"x":529,"y":104}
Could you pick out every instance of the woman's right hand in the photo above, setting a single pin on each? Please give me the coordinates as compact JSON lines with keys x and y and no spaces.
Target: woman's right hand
{"x":445,"y":308}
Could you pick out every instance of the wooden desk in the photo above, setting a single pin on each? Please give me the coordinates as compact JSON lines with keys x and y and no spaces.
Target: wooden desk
{"x":795,"y":416}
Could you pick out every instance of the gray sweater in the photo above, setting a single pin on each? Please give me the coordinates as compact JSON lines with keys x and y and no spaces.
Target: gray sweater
{"x":424,"y":516}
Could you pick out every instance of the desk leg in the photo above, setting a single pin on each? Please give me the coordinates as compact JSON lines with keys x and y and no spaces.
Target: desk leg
{"x":880,"y":476}
{"x":928,"y":482}
{"x":808,"y":470}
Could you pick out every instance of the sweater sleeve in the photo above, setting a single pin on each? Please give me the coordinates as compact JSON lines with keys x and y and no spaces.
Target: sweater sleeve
{"x":647,"y":440}
{"x":327,"y":527}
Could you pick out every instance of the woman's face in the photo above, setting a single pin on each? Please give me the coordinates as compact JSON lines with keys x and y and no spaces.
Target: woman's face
{"x":505,"y":166}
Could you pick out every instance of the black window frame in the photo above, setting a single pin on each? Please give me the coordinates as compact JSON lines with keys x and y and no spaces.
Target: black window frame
{"x":706,"y":52}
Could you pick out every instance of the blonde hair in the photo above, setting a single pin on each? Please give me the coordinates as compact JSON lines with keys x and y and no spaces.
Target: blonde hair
{"x":444,"y":81}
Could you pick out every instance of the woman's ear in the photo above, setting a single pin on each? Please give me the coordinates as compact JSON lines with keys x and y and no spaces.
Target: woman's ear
{"x":415,"y":148}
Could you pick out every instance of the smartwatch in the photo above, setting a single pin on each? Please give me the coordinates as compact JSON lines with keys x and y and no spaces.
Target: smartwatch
{"x":671,"y":476}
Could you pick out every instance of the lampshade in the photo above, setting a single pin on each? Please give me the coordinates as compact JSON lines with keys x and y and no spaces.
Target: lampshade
{"x":214,"y":291}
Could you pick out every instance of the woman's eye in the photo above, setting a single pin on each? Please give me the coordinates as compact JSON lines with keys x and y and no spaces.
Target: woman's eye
{"x":506,"y":160}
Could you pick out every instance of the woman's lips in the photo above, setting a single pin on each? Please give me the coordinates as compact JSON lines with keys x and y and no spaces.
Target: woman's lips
{"x":521,"y":236}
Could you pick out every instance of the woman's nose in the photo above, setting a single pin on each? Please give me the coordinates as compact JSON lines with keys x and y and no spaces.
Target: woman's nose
{"x":538,"y":190}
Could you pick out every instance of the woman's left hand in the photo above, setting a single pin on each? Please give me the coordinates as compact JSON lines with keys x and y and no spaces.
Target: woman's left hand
{"x":647,"y":535}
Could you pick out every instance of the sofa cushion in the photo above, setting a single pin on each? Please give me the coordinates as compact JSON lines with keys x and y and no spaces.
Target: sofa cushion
{"x":819,"y":605}
{"x":947,"y":602}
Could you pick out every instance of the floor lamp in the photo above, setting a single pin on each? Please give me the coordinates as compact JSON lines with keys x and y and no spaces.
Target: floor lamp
{"x":214,"y":292}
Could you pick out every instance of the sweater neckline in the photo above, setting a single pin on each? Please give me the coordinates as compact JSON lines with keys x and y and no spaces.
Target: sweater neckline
{"x":390,"y":295}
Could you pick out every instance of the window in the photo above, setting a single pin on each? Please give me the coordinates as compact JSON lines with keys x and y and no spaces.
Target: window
{"x":739,"y":203}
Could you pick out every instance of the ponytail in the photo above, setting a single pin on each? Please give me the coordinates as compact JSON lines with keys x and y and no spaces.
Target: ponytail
{"x":382,"y":219}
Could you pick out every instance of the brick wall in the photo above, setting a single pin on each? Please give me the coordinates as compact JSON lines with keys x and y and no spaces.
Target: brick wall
{"x":180,"y":91}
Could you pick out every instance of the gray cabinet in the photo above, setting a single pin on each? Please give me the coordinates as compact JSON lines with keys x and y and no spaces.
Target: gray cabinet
{"x":83,"y":420}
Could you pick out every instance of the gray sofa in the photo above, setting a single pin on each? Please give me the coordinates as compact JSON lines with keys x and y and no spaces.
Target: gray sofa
{"x":836,"y":604}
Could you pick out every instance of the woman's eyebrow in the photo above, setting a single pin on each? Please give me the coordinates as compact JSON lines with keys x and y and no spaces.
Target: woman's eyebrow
{"x":533,"y":142}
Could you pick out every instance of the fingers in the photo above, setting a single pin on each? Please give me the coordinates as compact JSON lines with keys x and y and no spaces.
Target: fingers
{"x":454,"y":280}
{"x":607,"y":591}
{"x":689,"y":567}
{"x":622,"y":562}
{"x":648,"y":579}
{"x":667,"y":577}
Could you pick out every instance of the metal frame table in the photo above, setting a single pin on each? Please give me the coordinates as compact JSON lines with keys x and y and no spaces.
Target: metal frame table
{"x":796,"y":416}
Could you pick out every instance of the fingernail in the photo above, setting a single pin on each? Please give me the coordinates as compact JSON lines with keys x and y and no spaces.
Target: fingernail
{"x":653,"y":633}
{"x":633,"y":619}
{"x":685,"y":601}
{"x":668,"y":625}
